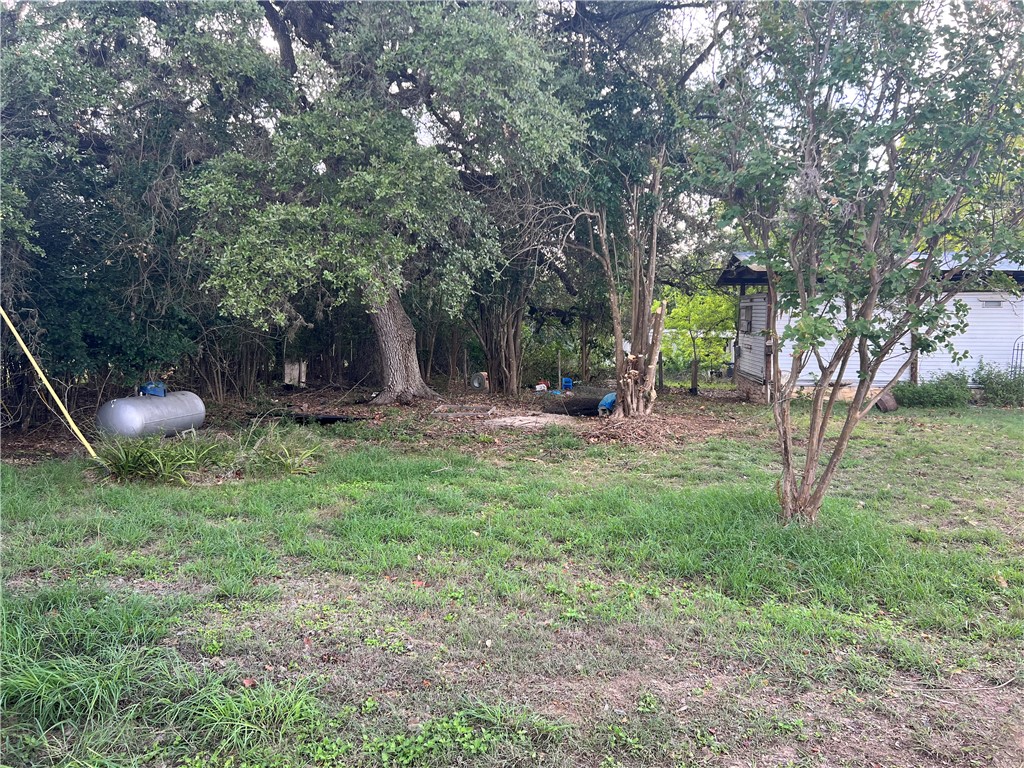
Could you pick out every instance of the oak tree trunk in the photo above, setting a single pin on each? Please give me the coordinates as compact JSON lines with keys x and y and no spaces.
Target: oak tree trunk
{"x":396,"y":343}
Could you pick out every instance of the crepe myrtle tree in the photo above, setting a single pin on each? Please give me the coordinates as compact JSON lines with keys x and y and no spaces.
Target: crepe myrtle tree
{"x":871,"y":156}
{"x":630,"y":269}
{"x":343,"y":204}
{"x":642,"y":66}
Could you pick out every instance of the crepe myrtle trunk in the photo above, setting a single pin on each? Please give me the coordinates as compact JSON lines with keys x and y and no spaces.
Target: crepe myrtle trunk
{"x":396,"y":342}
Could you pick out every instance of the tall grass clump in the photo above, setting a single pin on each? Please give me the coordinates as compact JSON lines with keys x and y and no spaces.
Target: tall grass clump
{"x":260,"y":450}
{"x":947,"y":390}
{"x":77,"y":664}
{"x":238,"y":720}
{"x":146,"y":459}
{"x":75,"y":656}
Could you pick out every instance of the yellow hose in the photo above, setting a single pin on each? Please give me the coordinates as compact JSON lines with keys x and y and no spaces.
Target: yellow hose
{"x":49,"y":387}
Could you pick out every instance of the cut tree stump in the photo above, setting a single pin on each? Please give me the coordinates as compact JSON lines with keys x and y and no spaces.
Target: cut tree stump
{"x":887,"y":403}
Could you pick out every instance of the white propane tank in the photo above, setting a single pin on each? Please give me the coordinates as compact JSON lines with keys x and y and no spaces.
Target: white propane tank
{"x":151,"y":415}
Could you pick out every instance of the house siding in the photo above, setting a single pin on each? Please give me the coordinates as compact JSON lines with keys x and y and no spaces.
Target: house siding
{"x":811,"y":373}
{"x":990,"y":336}
{"x":750,"y":361}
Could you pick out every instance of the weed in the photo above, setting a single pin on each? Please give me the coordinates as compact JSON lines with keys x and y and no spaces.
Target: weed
{"x":260,"y":451}
{"x":211,"y":644}
{"x":515,"y":723}
{"x":71,"y":655}
{"x":621,"y":738}
{"x":788,"y":726}
{"x":573,"y":614}
{"x":203,"y":453}
{"x":369,"y":706}
{"x":281,"y":459}
{"x":329,"y":752}
{"x":449,"y":736}
{"x":648,"y":703}
{"x":261,"y":759}
{"x":149,"y":459}
{"x":242,"y":719}
{"x":557,"y":438}
{"x":81,"y":661}
{"x":704,"y":738}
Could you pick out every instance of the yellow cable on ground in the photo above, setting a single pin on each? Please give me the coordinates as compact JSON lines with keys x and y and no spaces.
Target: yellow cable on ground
{"x":49,"y":387}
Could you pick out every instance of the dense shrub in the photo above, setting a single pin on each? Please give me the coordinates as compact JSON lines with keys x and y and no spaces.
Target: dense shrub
{"x":1002,"y":386}
{"x":947,"y":390}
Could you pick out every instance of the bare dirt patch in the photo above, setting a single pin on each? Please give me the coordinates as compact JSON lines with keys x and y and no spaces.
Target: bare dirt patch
{"x":530,"y":421}
{"x":664,"y":429}
{"x":678,"y":418}
{"x":52,"y":441}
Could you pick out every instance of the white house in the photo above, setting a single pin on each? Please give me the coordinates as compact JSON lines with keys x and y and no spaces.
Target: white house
{"x":995,"y":334}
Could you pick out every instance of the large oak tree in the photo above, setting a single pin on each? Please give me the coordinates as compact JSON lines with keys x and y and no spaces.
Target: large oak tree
{"x":473,"y":85}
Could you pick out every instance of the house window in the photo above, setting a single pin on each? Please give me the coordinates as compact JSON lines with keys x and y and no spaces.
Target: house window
{"x":746,"y":319}
{"x":991,"y":304}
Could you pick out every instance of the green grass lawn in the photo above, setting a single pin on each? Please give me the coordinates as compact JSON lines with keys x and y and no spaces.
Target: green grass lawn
{"x":422,"y":593}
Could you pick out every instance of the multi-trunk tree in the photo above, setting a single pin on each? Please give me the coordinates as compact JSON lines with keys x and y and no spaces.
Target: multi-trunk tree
{"x":640,"y":62}
{"x":871,"y":156}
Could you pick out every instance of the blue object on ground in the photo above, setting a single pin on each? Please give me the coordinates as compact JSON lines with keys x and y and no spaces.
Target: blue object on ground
{"x":567,"y":383}
{"x":607,"y":404}
{"x":154,"y":388}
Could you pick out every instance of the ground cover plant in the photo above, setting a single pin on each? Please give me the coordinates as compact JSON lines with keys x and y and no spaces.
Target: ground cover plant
{"x":439,"y":593}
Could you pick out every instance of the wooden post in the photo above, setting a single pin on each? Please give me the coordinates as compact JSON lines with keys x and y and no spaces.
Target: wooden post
{"x":915,"y":372}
